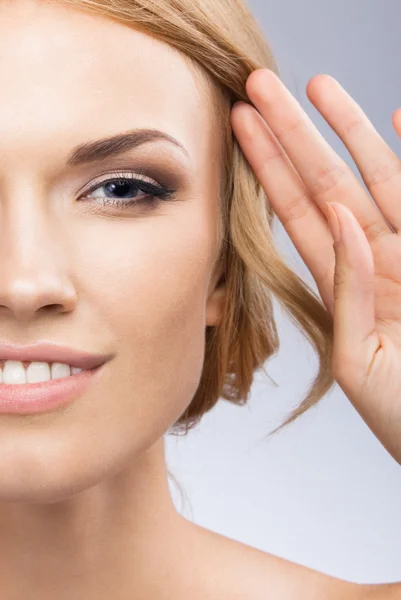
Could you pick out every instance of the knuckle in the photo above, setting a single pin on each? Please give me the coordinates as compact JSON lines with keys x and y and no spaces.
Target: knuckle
{"x":353,"y":125}
{"x":340,"y":274}
{"x":328,"y":178}
{"x":296,"y":208}
{"x":373,"y":230}
{"x":290,"y":128}
{"x":383,"y":173}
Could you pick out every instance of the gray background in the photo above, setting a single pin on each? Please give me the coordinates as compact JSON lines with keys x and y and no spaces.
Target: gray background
{"x":324,"y":493}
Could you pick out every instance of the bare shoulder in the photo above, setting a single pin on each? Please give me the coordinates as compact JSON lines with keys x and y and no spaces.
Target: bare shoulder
{"x":236,"y":571}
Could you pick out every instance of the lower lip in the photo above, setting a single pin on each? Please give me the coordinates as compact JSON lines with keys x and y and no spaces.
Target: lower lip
{"x":30,"y":398}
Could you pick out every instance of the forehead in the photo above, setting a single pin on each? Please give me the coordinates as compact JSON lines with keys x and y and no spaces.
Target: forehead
{"x":69,"y":70}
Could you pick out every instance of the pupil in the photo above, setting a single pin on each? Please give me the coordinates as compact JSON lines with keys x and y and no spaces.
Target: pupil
{"x":120,"y":188}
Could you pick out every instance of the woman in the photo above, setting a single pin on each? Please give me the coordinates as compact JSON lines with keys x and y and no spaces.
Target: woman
{"x":136,"y":230}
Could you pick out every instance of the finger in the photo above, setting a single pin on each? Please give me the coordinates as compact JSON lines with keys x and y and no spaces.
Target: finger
{"x":288,"y":196}
{"x":326,"y":175}
{"x":379,"y":166}
{"x":396,"y":119}
{"x":356,"y":343}
{"x":354,"y":291}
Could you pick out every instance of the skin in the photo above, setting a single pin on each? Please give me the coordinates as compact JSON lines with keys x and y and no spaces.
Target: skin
{"x":356,"y":263}
{"x":138,"y":285}
{"x":85,"y":508}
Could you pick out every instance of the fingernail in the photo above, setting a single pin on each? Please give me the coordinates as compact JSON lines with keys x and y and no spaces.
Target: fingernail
{"x":333,"y":222}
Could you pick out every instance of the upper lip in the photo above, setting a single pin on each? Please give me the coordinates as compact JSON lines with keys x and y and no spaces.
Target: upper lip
{"x":51,"y":352}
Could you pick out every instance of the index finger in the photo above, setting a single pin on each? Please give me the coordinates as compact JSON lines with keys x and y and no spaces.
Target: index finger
{"x":286,"y":192}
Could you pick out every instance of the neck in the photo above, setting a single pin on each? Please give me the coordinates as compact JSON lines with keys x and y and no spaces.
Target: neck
{"x":113,"y":540}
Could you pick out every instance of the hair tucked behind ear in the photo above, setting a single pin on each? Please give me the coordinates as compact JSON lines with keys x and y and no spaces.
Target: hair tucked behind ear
{"x":223,"y":43}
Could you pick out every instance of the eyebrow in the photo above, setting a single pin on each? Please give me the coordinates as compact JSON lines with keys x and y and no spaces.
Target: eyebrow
{"x":117,"y":144}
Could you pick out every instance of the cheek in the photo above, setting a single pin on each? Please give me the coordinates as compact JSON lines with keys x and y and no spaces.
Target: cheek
{"x":150,"y":282}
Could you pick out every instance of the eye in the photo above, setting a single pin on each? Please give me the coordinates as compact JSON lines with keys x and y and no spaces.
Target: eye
{"x":122,"y":191}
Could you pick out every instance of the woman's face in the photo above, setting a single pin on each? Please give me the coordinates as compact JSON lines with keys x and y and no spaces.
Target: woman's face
{"x":134,"y":281}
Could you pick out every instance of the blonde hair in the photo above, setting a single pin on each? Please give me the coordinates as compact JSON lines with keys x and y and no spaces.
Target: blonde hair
{"x":223,"y":42}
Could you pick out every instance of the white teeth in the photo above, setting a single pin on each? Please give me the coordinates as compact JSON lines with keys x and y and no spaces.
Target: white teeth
{"x":36,"y":372}
{"x":60,"y":370}
{"x":14,"y":372}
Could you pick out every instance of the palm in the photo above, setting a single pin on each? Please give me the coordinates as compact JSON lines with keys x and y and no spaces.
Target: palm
{"x":386,"y":253}
{"x":378,"y":398}
{"x":300,"y":174}
{"x":387,"y":258}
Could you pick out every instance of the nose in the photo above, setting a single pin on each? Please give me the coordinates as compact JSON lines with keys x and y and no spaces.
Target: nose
{"x":33,"y":272}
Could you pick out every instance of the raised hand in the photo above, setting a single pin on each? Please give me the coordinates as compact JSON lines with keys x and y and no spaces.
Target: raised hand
{"x":359,"y":277}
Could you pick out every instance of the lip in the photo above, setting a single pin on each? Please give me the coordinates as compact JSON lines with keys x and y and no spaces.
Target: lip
{"x":52,"y":352}
{"x":45,"y":396}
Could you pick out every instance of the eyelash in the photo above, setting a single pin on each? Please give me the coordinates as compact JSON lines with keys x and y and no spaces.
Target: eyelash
{"x":156,"y":193}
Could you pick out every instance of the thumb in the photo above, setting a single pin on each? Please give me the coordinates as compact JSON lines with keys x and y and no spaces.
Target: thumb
{"x":354,"y":298}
